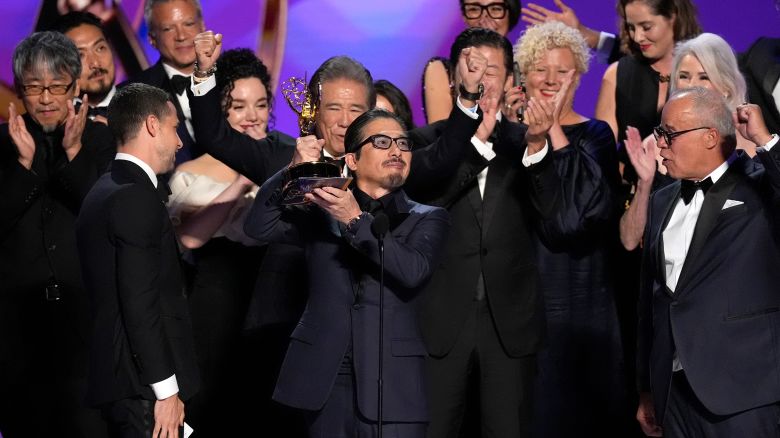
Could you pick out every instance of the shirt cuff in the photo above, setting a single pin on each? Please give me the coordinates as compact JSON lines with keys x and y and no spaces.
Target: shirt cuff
{"x":768,"y":147}
{"x":604,"y":47}
{"x":166,"y":388}
{"x":484,"y":149}
{"x":530,"y":160}
{"x":201,"y":88}
{"x":471,"y":112}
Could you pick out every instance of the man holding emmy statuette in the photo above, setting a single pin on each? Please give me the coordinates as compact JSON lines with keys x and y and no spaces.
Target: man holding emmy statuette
{"x":331,"y":370}
{"x":339,"y":91}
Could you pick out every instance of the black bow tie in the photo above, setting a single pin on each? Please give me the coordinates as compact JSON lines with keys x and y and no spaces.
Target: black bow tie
{"x":688,"y":188}
{"x":180,"y":83}
{"x":163,"y":190}
{"x":94,"y":111}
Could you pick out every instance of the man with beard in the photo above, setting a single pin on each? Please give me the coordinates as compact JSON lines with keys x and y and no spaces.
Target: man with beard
{"x":97,"y":60}
{"x":142,"y":359}
{"x":49,"y":158}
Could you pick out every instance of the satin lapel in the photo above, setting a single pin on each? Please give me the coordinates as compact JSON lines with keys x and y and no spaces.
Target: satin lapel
{"x":475,"y":200}
{"x":708,"y":217}
{"x":494,"y":188}
{"x":658,"y":235}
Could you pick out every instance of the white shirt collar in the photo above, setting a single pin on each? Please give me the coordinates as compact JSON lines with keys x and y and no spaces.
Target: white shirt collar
{"x":720,"y":170}
{"x":107,"y":99}
{"x":140,"y":163}
{"x":170,"y":71}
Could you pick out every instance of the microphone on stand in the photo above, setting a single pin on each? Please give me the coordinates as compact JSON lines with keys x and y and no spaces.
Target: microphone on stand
{"x":379,"y":228}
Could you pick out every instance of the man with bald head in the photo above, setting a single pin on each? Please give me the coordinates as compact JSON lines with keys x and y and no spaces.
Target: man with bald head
{"x":709,"y":307}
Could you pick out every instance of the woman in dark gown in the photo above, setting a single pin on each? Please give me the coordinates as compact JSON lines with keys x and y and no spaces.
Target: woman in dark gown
{"x":579,"y":388}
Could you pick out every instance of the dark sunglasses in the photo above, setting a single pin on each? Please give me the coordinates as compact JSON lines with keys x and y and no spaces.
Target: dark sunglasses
{"x":659,"y":132}
{"x":381,"y":141}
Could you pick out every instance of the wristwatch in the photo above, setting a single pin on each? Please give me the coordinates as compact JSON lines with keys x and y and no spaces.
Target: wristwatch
{"x":464,"y":93}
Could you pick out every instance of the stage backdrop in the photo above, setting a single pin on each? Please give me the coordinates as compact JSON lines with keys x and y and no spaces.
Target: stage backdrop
{"x":392,"y":38}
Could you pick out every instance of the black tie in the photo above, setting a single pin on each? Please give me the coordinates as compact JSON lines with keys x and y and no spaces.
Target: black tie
{"x":94,"y":111}
{"x":688,"y":188}
{"x":374,"y":206}
{"x":180,"y":83}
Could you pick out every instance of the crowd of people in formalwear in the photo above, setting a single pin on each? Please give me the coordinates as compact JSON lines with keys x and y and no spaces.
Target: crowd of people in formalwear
{"x":532,"y":271}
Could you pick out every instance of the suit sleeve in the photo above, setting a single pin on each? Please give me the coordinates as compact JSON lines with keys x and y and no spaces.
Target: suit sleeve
{"x":267,"y":220}
{"x":247,"y":156}
{"x":410,"y":261}
{"x":19,"y":189}
{"x":433,"y":165}
{"x":137,"y":230}
{"x":587,"y":172}
{"x":645,"y":306}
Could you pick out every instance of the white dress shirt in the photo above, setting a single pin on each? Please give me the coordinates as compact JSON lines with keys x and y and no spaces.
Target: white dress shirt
{"x":184,"y":101}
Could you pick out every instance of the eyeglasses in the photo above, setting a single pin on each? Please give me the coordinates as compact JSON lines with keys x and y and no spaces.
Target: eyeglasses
{"x":381,"y":141}
{"x":496,"y":11}
{"x":54,"y":89}
{"x":659,"y":132}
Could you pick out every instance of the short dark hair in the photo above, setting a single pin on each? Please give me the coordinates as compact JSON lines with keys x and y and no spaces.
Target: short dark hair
{"x":479,"y":37}
{"x":397,"y":99}
{"x":49,"y":51}
{"x":686,"y":25}
{"x":342,"y":67}
{"x":131,"y":106}
{"x":238,"y":64}
{"x":74,"y":19}
{"x":513,"y":8}
{"x":354,"y":135}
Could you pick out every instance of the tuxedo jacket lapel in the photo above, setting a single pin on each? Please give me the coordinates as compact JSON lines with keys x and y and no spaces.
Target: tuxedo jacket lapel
{"x":475,"y":199}
{"x":494,"y":187}
{"x":708,"y":217}
{"x":658,"y":236}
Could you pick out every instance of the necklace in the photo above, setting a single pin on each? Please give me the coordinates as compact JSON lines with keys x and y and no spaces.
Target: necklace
{"x":664,"y":78}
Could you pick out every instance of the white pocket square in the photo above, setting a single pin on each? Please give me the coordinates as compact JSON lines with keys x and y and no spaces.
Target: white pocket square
{"x":731,"y":203}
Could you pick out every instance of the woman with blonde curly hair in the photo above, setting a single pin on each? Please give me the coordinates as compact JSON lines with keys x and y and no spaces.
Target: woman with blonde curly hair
{"x":580,"y":372}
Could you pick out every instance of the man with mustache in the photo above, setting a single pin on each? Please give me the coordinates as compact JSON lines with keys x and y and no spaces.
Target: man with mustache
{"x":97,"y":60}
{"x":172,"y":26}
{"x":330,"y":370}
{"x":49,"y":158}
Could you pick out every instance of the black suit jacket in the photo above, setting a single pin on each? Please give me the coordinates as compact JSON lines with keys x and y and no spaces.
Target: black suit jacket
{"x":723,"y":318}
{"x":156,"y":76}
{"x":492,"y":237}
{"x":38,"y":209}
{"x":760,"y":65}
{"x":343,"y":304}
{"x":142,"y":331}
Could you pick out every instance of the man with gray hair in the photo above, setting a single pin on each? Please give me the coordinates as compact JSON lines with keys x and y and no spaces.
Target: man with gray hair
{"x":49,"y":158}
{"x":709,"y":310}
{"x":172,"y":26}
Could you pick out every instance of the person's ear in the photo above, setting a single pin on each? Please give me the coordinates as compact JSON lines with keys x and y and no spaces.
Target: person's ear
{"x":152,"y":125}
{"x":350,"y":161}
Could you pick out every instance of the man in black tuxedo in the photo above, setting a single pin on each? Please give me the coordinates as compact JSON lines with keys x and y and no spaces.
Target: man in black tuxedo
{"x":97,"y":60}
{"x":142,"y":363}
{"x":330,"y":369}
{"x":482,"y":311}
{"x":172,"y":26}
{"x":760,"y":64}
{"x":709,"y":309}
{"x":49,"y":158}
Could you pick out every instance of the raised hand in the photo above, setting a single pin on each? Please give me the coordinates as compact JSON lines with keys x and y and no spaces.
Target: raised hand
{"x":471,"y":67}
{"x":25,"y":145}
{"x":307,"y":148}
{"x":208,"y":46}
{"x":563,"y":96}
{"x":536,"y":14}
{"x":74,"y":128}
{"x":642,"y":154}
{"x":539,"y":116}
{"x":750,"y":123}
{"x":514,"y":99}
{"x":489,"y":106}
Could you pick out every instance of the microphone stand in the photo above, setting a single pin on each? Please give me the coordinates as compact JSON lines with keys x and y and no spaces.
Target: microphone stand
{"x":379,"y":228}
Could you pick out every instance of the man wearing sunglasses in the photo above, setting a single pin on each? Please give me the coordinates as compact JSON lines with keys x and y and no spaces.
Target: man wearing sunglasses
{"x":331,"y":367}
{"x":709,"y":310}
{"x":49,"y":158}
